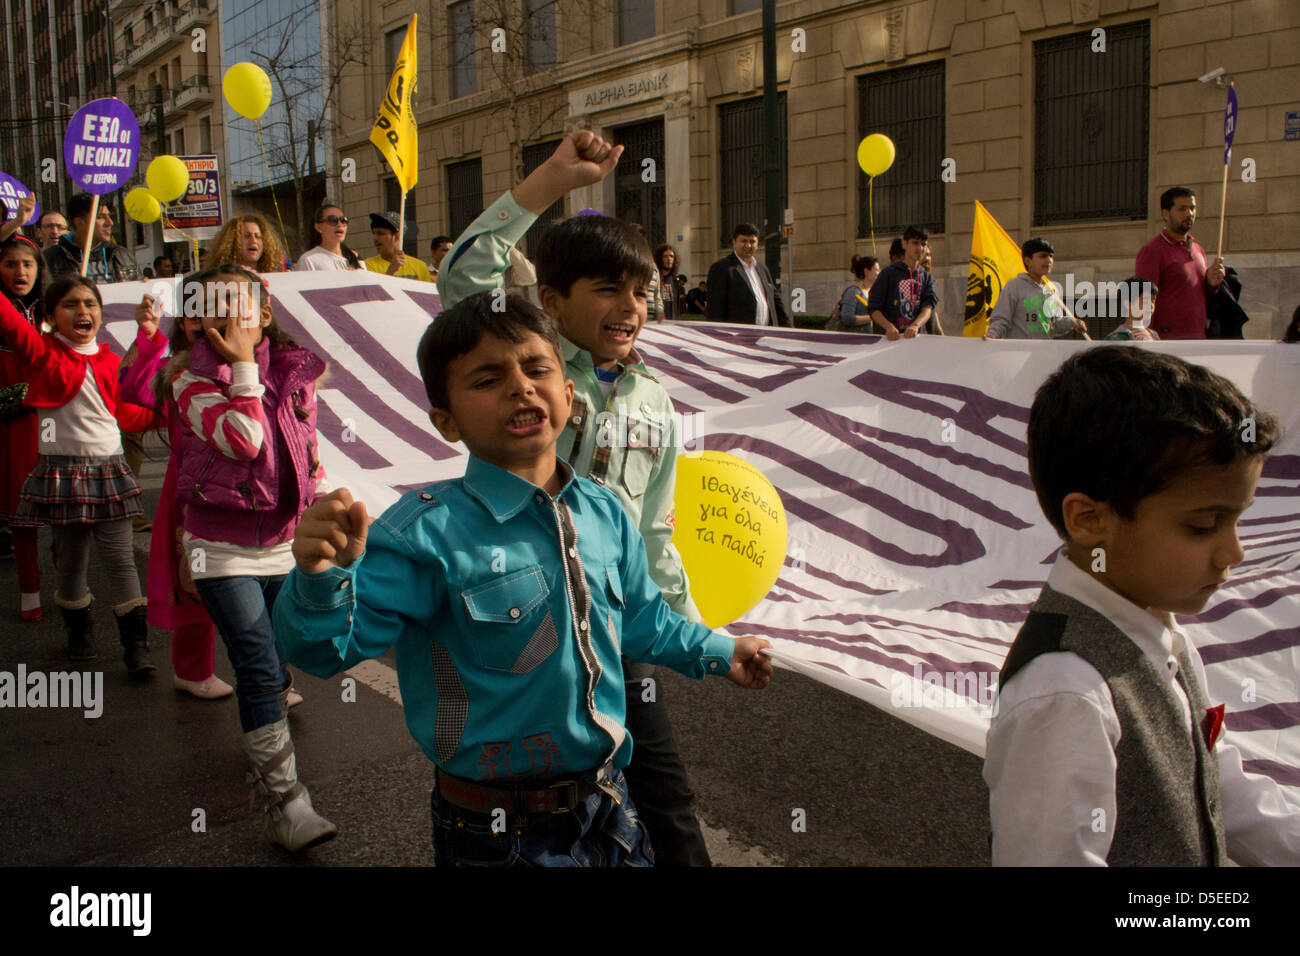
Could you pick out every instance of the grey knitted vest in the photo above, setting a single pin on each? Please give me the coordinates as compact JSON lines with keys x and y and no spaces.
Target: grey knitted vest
{"x":1166,"y":780}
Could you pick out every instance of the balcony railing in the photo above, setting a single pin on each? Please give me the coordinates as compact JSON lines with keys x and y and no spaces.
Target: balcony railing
{"x":159,"y":38}
{"x":193,"y":14}
{"x":194,"y":92}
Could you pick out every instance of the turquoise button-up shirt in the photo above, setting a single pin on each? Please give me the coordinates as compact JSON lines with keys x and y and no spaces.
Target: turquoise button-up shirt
{"x":627,"y":441}
{"x":508,"y":610}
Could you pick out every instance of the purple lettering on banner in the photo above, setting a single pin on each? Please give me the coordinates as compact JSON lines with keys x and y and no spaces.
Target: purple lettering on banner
{"x":1271,"y":768}
{"x":11,"y":191}
{"x":761,"y":383}
{"x":1256,"y":602}
{"x":1267,"y":717}
{"x":771,"y":355}
{"x":961,"y":544}
{"x":328,"y":421}
{"x":101,"y":146}
{"x":431,"y":302}
{"x":1278,"y":639}
{"x":847,"y":430}
{"x":977,"y":410}
{"x":345,"y":381}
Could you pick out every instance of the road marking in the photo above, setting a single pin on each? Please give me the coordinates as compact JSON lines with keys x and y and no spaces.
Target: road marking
{"x":380,"y":677}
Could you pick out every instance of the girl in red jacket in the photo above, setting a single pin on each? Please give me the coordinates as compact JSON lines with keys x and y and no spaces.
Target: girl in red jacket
{"x":81,"y":485}
{"x":20,"y":283}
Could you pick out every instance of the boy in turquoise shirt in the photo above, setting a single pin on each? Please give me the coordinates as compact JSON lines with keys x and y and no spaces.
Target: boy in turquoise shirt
{"x":508,"y":595}
{"x":594,"y":278}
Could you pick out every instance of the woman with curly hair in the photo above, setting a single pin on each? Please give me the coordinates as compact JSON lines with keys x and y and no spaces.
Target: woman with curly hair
{"x":247,"y":241}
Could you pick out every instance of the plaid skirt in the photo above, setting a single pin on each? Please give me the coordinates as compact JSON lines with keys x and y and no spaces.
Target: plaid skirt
{"x":64,"y":489}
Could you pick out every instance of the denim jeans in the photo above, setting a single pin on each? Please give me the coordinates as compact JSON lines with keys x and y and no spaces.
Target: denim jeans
{"x":597,"y":832}
{"x":240,"y":607}
{"x":657,"y":776}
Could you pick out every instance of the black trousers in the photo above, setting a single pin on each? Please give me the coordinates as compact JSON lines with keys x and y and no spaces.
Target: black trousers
{"x":656,"y":777}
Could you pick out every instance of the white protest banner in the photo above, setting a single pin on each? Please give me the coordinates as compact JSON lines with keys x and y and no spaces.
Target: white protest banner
{"x":916,"y":541}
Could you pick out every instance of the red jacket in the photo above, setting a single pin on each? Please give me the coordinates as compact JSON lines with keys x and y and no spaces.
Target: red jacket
{"x":56,"y":373}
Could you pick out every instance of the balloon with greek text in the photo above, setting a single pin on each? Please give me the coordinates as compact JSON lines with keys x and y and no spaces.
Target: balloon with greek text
{"x":101,"y":146}
{"x":730,"y":529}
{"x":12,"y":191}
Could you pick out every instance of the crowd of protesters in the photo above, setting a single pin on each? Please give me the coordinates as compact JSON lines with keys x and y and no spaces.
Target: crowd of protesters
{"x":237,"y":402}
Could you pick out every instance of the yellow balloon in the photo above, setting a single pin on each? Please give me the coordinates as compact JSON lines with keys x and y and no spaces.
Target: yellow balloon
{"x":142,"y":205}
{"x":876,"y":154}
{"x":247,"y":89}
{"x":167,"y":178}
{"x":731,"y":533}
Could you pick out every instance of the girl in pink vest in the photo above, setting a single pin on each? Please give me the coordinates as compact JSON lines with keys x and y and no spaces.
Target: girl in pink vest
{"x":247,"y":465}
{"x":80,"y":484}
{"x":173,"y":601}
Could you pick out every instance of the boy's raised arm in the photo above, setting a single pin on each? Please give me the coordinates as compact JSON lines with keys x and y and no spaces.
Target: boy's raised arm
{"x":481,"y":254}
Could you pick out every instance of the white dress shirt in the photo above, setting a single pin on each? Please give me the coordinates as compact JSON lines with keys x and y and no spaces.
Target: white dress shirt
{"x":1050,"y":758}
{"x":755,"y":283}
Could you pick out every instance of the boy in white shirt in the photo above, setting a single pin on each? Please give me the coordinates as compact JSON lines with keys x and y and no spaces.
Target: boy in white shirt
{"x":1105,"y":748}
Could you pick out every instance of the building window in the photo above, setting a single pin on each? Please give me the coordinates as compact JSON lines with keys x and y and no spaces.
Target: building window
{"x":542,"y":54}
{"x":410,"y":229}
{"x":393,"y":47}
{"x":745,"y":6}
{"x":464,"y":194}
{"x":740,"y":149}
{"x":534,"y":156}
{"x":636,"y":20}
{"x":635,"y":199}
{"x":205,"y":134}
{"x":1091,"y":126}
{"x":907,"y":106}
{"x":464,"y":76}
{"x":178,"y":142}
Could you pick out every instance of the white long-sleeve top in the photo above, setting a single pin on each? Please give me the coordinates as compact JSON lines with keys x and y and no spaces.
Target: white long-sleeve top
{"x":1050,"y":757}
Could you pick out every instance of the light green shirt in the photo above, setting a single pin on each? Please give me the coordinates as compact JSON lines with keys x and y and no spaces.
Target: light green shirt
{"x":627,"y":442}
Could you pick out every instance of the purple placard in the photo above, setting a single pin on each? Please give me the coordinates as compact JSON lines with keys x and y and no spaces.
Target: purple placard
{"x":101,"y":146}
{"x":1229,"y":124}
{"x":11,"y":190}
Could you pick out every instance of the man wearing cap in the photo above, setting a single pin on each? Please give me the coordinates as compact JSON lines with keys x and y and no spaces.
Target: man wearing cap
{"x":391,"y":259}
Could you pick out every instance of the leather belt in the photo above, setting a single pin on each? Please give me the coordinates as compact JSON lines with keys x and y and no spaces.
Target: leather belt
{"x":561,"y":796}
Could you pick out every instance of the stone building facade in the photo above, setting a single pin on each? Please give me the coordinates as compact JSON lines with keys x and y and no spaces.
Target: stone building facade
{"x":1014,"y":103}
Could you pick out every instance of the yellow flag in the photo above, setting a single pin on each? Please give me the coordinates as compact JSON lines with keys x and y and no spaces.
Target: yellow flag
{"x":394,"y":133}
{"x":994,"y":261}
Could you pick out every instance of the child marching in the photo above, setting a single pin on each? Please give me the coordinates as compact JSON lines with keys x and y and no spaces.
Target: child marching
{"x":247,"y":466}
{"x":80,"y":484}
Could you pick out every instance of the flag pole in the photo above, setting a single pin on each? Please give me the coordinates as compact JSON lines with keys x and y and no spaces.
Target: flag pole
{"x":401,"y":220}
{"x":90,"y":233}
{"x":1230,"y":129}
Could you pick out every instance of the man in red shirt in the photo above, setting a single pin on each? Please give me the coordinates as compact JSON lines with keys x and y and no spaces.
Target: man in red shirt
{"x":1175,"y":263}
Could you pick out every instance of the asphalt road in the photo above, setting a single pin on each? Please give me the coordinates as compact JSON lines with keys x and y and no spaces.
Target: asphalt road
{"x":157,"y":778}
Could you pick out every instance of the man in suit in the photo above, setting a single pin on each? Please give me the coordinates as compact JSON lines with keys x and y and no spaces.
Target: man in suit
{"x":740,"y":288}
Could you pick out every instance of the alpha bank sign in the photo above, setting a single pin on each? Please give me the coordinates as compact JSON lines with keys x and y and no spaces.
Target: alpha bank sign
{"x":634,"y":88}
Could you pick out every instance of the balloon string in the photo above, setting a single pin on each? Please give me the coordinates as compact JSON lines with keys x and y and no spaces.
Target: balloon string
{"x":270,"y":179}
{"x":871,"y":215}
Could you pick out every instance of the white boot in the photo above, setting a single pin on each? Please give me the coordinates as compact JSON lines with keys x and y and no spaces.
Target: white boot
{"x":292,"y":821}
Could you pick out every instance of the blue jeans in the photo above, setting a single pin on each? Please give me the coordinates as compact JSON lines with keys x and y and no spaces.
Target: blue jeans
{"x":240,"y":607}
{"x":597,"y":832}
